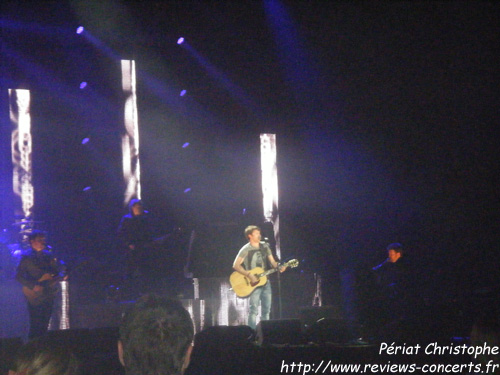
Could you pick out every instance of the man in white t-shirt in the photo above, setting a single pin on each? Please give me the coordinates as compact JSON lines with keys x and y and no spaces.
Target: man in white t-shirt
{"x":256,"y":254}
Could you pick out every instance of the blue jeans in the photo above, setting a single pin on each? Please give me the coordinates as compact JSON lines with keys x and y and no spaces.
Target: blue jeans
{"x":264,"y":295}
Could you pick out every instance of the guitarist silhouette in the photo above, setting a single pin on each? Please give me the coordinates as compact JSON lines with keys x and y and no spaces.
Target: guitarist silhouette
{"x":135,"y":232}
{"x":39,"y":274}
{"x":256,"y":254}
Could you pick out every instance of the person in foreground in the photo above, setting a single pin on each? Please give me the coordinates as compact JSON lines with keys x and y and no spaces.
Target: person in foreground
{"x":156,"y":337}
{"x":41,"y":357}
{"x":256,"y":254}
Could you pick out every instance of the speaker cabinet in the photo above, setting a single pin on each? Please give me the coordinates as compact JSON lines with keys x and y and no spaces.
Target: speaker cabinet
{"x":280,"y":332}
{"x":328,"y":330}
{"x":310,"y":315}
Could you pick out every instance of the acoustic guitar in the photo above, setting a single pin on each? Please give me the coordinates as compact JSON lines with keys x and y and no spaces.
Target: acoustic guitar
{"x":242,"y":285}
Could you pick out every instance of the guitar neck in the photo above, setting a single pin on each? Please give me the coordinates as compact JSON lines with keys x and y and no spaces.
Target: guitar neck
{"x":268,"y":272}
{"x":273,"y":270}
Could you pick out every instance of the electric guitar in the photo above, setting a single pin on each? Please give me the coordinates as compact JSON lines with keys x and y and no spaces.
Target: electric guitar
{"x":50,"y":286}
{"x":242,"y":285}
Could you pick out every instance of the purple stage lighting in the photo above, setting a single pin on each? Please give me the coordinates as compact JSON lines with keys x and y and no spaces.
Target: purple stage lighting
{"x":244,"y":211}
{"x":85,"y":141}
{"x":180,"y":40}
{"x":83,"y":85}
{"x":79,"y":29}
{"x":187,"y":190}
{"x":87,"y":188}
{"x":183,"y":92}
{"x":185,"y":145}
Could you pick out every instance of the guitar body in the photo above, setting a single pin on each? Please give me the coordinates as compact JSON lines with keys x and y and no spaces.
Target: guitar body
{"x":242,"y":285}
{"x":49,"y":289}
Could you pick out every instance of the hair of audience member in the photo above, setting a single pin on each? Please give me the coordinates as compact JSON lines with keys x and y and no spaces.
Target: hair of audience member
{"x":41,"y":357}
{"x":155,"y":336}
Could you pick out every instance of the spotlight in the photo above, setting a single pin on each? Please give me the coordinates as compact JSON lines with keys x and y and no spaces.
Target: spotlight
{"x":87,"y":188}
{"x":79,"y":30}
{"x":183,"y":92}
{"x":83,"y":85}
{"x":187,"y":190}
{"x":180,"y":40}
{"x":185,"y":145}
{"x":85,"y":141}
{"x":244,"y":211}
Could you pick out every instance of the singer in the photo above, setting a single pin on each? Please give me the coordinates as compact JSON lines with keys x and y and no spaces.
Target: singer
{"x":136,"y":235}
{"x":395,"y":287}
{"x":39,"y":274}
{"x":256,"y":254}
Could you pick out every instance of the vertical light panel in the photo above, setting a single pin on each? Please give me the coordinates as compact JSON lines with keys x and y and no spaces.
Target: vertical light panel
{"x":64,"y":321}
{"x":240,"y":307}
{"x":270,"y":184}
{"x":19,"y":112}
{"x":130,"y":138}
{"x":232,"y":310}
{"x":223,"y":316}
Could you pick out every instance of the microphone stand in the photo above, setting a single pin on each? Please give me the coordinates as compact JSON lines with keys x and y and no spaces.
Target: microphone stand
{"x":279,"y":285}
{"x":279,"y":293}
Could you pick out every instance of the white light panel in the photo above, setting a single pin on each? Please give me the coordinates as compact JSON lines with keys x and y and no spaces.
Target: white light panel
{"x":130,"y":138}
{"x":270,"y":184}
{"x":21,"y":144}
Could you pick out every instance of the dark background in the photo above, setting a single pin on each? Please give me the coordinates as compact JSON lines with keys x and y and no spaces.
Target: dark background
{"x":385,"y":113}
